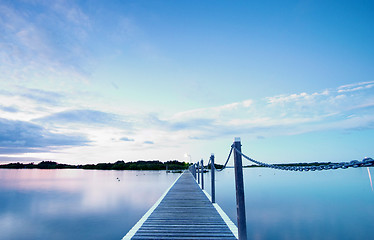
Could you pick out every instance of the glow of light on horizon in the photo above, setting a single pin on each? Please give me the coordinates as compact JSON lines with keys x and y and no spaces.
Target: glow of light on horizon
{"x":186,"y":155}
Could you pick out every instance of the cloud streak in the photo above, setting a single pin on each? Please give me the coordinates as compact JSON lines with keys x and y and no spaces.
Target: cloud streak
{"x":280,"y":115}
{"x":42,"y":43}
{"x":84,"y":116}
{"x":41,"y":96}
{"x":24,"y":137}
{"x":356,"y":87}
{"x":296,"y":113}
{"x":8,"y":109}
{"x":126,"y":139}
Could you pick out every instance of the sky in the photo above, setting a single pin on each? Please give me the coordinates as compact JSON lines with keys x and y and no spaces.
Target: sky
{"x":100,"y":81}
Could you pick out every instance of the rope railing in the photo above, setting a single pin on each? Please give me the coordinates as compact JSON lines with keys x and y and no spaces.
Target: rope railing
{"x":238,"y":154}
{"x":210,"y":159}
{"x":319,"y":166}
{"x":224,"y":165}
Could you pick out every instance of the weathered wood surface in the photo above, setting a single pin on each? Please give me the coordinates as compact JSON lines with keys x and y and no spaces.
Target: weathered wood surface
{"x":184,"y":213}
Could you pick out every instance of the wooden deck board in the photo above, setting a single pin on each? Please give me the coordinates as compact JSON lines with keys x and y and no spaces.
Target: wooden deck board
{"x":185,"y":212}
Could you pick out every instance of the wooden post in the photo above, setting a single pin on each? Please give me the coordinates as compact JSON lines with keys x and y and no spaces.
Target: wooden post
{"x":240,"y":200}
{"x":212,"y":170}
{"x":198,"y":173}
{"x":194,"y":170}
{"x":202,"y":174}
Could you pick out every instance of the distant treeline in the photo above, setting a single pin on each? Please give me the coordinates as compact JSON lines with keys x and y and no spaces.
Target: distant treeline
{"x":217,"y":166}
{"x":119,"y":165}
{"x":139,"y":165}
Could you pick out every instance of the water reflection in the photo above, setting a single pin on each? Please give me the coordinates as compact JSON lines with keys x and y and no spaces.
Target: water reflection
{"x":79,"y":204}
{"x":335,"y":204}
{"x":76,"y":204}
{"x":371,"y":183}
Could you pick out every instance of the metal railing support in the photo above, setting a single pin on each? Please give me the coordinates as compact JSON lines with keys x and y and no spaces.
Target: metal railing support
{"x":240,"y":200}
{"x":202,"y":174}
{"x":212,"y":172}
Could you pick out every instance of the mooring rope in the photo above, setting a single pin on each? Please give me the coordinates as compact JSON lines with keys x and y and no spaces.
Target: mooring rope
{"x":366,"y":162}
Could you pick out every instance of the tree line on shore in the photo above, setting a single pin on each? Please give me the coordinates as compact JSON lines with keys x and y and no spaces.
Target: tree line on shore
{"x":138,"y":165}
{"x":119,"y":165}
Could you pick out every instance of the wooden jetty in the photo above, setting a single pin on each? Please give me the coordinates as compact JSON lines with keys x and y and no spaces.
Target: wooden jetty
{"x":184,"y":211}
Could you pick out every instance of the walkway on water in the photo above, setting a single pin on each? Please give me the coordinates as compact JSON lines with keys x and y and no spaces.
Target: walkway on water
{"x":184,"y":212}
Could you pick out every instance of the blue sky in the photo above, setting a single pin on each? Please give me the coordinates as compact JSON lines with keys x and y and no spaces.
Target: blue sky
{"x":98,"y":81}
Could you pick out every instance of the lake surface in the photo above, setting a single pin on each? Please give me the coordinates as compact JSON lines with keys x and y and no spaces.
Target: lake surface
{"x":94,"y":204}
{"x":74,"y":203}
{"x":334,"y":204}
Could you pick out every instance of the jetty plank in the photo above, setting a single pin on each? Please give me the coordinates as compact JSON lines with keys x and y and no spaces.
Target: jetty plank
{"x":185,"y":212}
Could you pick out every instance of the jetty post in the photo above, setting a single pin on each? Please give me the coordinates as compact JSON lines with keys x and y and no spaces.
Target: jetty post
{"x":212,"y":172}
{"x":198,"y":173}
{"x":202,"y":174}
{"x":240,"y":200}
{"x":194,"y":170}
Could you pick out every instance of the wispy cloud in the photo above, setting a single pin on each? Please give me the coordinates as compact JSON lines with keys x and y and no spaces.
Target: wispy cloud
{"x":69,"y":11}
{"x":10,"y":109}
{"x":214,"y":112}
{"x":40,"y":96}
{"x":356,"y":87}
{"x":296,"y":113}
{"x":83,"y":116}
{"x":178,"y":124}
{"x":126,"y":139}
{"x":281,"y":99}
{"x":25,"y":104}
{"x":42,"y":43}
{"x":262,"y":118}
{"x":24,"y":137}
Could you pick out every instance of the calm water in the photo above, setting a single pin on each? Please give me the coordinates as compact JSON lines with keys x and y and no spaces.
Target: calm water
{"x":76,"y":204}
{"x":335,"y":204}
{"x":79,"y":204}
